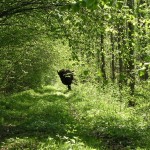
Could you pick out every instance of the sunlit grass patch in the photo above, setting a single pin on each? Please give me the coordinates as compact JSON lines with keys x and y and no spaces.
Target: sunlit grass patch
{"x":64,"y":143}
{"x":20,"y":143}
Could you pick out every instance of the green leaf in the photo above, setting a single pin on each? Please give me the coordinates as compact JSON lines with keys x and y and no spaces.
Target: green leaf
{"x":86,"y":72}
{"x":91,"y":4}
{"x":141,"y":73}
{"x":76,"y":7}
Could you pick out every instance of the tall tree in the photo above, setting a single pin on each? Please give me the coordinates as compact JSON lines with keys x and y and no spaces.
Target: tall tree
{"x":102,"y":53}
{"x":130,"y":62}
{"x":112,"y":57}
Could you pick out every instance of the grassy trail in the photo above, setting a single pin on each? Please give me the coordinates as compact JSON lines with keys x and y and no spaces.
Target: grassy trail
{"x":41,"y":119}
{"x":52,"y":119}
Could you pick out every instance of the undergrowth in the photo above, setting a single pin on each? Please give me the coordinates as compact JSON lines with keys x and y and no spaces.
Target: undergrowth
{"x":85,"y":118}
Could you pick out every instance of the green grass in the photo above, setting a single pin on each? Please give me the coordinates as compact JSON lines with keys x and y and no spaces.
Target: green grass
{"x":85,"y":118}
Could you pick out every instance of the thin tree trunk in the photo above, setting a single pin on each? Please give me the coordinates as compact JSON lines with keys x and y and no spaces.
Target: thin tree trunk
{"x":120,"y":56}
{"x":112,"y":58}
{"x":131,"y":74}
{"x":142,"y":39}
{"x":103,"y":59}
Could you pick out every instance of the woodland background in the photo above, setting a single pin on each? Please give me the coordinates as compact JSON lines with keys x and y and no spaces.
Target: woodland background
{"x":107,"y":45}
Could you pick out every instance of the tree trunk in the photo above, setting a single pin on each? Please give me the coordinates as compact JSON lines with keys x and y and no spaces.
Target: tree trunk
{"x":103,"y":59}
{"x":112,"y":58}
{"x":142,"y":39}
{"x":130,"y":68}
{"x":120,"y":55}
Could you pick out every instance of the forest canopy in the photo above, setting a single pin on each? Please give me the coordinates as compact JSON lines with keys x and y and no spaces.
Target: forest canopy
{"x":109,"y":40}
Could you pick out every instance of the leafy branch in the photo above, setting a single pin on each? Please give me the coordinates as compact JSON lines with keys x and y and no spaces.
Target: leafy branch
{"x":22,"y":7}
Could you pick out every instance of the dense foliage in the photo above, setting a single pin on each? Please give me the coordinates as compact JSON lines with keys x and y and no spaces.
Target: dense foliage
{"x":107,"y":45}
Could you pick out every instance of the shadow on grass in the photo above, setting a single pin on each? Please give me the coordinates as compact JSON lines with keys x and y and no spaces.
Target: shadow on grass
{"x":117,"y":136}
{"x":39,"y":115}
{"x":36,"y":115}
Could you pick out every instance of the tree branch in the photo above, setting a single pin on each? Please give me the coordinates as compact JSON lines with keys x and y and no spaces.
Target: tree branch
{"x":28,"y":6}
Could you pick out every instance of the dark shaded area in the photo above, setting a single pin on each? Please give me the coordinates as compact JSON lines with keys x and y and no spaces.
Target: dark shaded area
{"x":119,"y":137}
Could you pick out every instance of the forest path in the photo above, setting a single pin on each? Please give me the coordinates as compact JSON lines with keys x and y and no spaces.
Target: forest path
{"x":35,"y":115}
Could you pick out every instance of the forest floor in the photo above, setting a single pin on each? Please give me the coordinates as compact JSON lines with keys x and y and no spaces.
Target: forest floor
{"x":54,"y":119}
